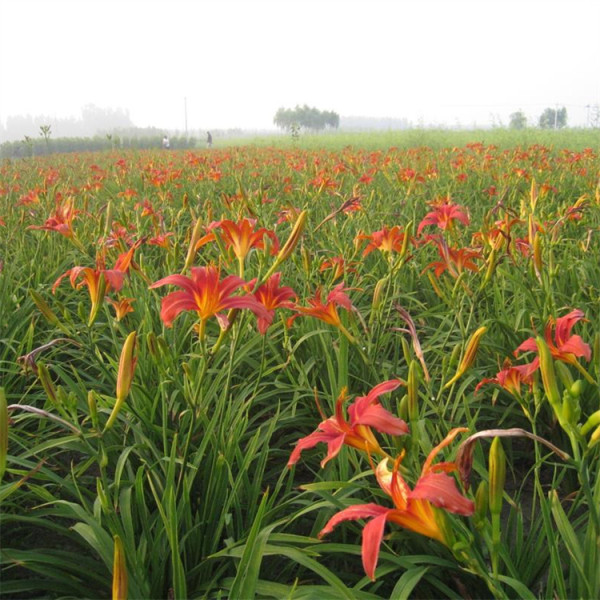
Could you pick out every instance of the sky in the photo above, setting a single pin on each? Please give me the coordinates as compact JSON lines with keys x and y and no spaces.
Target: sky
{"x":232,"y":63}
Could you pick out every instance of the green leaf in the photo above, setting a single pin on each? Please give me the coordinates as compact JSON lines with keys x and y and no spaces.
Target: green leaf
{"x":407,"y":583}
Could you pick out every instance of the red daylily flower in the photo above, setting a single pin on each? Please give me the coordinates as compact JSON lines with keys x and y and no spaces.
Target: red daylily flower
{"x":338,"y":265}
{"x":385,"y":240}
{"x":454,"y":260}
{"x":162,"y":240}
{"x":271,"y":296}
{"x":60,"y":221}
{"x":365,"y":412}
{"x":511,"y":377}
{"x":99,"y":281}
{"x":325,"y":312}
{"x":413,"y":509}
{"x":206,"y":294}
{"x":444,"y":214}
{"x":241,"y":237}
{"x":122,"y":306}
{"x":564,"y":347}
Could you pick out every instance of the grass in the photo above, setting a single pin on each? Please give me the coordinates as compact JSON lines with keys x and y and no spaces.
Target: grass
{"x":574,"y":139}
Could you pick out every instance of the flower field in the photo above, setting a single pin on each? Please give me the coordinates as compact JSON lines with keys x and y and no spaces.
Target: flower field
{"x":301,"y":373}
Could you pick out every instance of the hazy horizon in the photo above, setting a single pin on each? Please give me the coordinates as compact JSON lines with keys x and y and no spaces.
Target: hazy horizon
{"x":228,"y":64}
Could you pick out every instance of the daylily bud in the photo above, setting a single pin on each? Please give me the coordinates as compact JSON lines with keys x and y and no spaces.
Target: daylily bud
{"x":124,"y":376}
{"x":93,"y":408}
{"x":403,"y":408}
{"x":563,"y":374}
{"x":413,"y":392}
{"x":469,"y":356}
{"x":46,"y":382}
{"x":102,"y":494}
{"x":407,"y":236}
{"x":593,"y":421}
{"x":108,"y":219}
{"x":595,"y":437}
{"x":497,"y":469}
{"x":119,"y":585}
{"x":454,"y":355}
{"x":571,"y":411}
{"x":405,"y":350}
{"x":97,"y":300}
{"x":549,"y":376}
{"x":43,"y":307}
{"x":533,"y":195}
{"x":291,"y":242}
{"x":537,"y":254}
{"x":126,"y":366}
{"x":577,"y":388}
{"x":378,"y":292}
{"x":306,"y":261}
{"x":191,"y":253}
{"x":491,"y":267}
{"x":3,"y":432}
{"x":151,"y":344}
{"x":481,"y":504}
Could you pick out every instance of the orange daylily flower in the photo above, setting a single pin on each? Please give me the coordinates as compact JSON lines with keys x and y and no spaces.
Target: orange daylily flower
{"x":206,"y":294}
{"x":241,"y":237}
{"x":413,"y":509}
{"x":326,"y":312}
{"x":60,"y":221}
{"x":365,"y":412}
{"x":338,"y":265}
{"x":564,"y":347}
{"x":454,"y":260}
{"x":384,"y":240}
{"x":122,"y":306}
{"x":272,"y":296}
{"x":444,"y":214}
{"x":99,"y":281}
{"x":511,"y":377}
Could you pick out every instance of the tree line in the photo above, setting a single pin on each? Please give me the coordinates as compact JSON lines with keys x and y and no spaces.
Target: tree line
{"x":306,"y":117}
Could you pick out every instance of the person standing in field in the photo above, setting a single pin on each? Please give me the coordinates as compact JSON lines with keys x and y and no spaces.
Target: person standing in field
{"x":166,"y":144}
{"x":208,"y":140}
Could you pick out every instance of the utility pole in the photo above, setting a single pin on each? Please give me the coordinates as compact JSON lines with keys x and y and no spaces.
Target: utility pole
{"x":587,"y":121}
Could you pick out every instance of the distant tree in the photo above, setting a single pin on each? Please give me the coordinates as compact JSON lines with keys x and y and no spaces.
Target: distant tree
{"x":307,"y":117}
{"x":553,"y":118}
{"x":518,"y":120}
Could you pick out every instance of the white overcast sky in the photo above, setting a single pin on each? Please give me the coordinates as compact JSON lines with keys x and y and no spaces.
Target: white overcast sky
{"x":236,"y":62}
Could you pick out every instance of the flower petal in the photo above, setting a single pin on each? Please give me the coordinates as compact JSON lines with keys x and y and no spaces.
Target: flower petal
{"x":440,"y":489}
